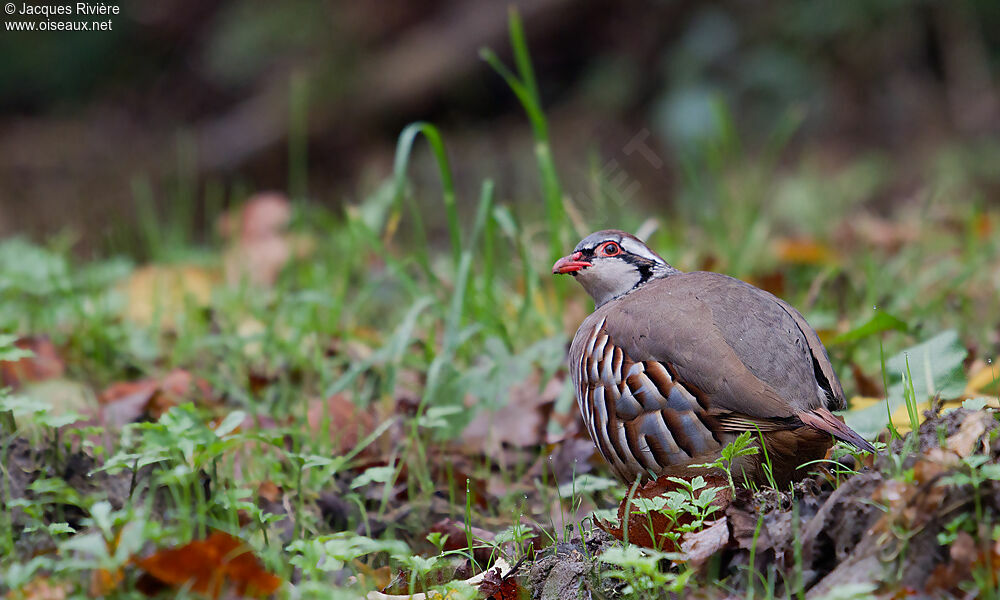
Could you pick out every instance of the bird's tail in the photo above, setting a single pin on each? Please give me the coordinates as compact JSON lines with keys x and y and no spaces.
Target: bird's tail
{"x":824,"y":420}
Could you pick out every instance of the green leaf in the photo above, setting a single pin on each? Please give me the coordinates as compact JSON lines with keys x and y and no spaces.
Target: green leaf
{"x":936,"y":368}
{"x":22,"y":405}
{"x":10,"y":352}
{"x":18,"y":574}
{"x":310,"y":461}
{"x":55,"y":529}
{"x":583,"y":484}
{"x":975,"y":403}
{"x":91,"y":544}
{"x":230,"y":423}
{"x":882,"y":321}
{"x":706,"y":497}
{"x":741,"y":446}
{"x":417,"y":563}
{"x":645,"y":505}
{"x":100,"y":512}
{"x":347,"y":546}
{"x":373,"y":475}
{"x":991,"y":471}
{"x":850,"y":591}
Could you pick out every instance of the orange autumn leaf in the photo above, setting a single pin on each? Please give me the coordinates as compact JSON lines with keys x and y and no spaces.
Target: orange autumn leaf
{"x":269,"y":490}
{"x":103,"y":582}
{"x":211,"y":565}
{"x":982,"y":225}
{"x":803,"y":251}
{"x":379,"y":578}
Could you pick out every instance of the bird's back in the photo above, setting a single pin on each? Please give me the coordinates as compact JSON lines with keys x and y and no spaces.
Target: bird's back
{"x":715,"y":329}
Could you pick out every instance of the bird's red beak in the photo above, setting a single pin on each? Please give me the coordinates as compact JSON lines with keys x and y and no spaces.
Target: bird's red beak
{"x":570,"y":264}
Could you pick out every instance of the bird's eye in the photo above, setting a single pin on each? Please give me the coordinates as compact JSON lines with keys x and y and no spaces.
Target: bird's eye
{"x":611,"y":249}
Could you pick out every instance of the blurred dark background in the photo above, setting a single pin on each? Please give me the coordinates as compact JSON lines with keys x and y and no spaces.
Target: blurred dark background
{"x":214,"y":99}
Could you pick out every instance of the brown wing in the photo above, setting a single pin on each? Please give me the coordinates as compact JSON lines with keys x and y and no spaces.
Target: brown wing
{"x":738,"y":346}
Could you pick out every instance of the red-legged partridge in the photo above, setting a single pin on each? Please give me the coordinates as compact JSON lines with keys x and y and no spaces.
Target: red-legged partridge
{"x":672,"y":366}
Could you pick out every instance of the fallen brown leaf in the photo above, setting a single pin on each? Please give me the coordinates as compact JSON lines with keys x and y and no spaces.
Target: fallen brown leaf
{"x":104,"y":582}
{"x":876,"y":232}
{"x":125,"y":402}
{"x":211,"y":566}
{"x":521,"y":422}
{"x":269,"y":491}
{"x":45,"y":363}
{"x":747,"y":532}
{"x":947,"y":576}
{"x":911,"y":505}
{"x":969,"y":437}
{"x":348,"y":422}
{"x":369,"y":576}
{"x":501,"y":587}
{"x":699,"y":546}
{"x":773,"y":282}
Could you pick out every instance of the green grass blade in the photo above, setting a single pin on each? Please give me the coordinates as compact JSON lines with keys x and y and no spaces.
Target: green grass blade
{"x":404,"y":147}
{"x":526,"y":89}
{"x":910,"y":396}
{"x":885,"y":391}
{"x":522,"y":60}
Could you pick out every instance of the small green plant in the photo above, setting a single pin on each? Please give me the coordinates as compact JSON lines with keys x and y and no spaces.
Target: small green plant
{"x":977,"y":470}
{"x":438,"y":540}
{"x":840,"y":451}
{"x":885,"y":390}
{"x":962,"y":522}
{"x":910,"y":398}
{"x":686,"y":508}
{"x":640,"y":569}
{"x":741,"y":446}
{"x":319,"y":555}
{"x":519,"y":535}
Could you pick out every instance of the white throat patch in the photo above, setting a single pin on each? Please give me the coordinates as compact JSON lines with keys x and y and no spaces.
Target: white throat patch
{"x":608,"y":279}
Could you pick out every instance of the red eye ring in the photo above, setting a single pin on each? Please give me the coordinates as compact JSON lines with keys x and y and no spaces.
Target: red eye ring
{"x":610,"y":249}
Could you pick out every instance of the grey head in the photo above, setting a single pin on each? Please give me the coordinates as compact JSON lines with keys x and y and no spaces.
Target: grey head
{"x":612,"y":263}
